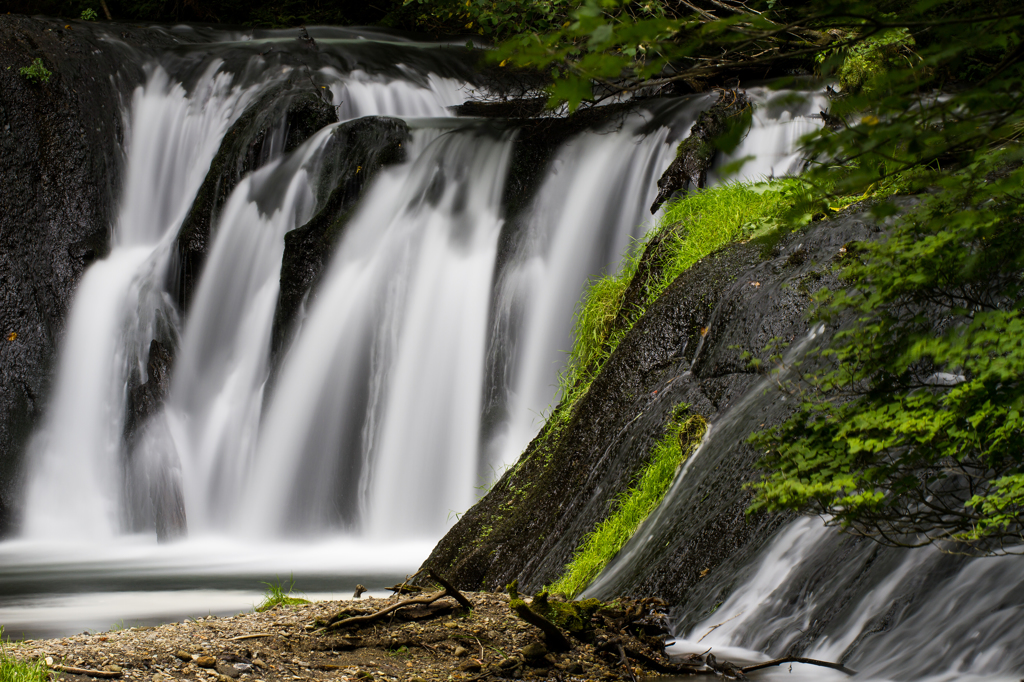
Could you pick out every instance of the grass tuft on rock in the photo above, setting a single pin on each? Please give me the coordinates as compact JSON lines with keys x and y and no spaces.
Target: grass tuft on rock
{"x":13,"y":670}
{"x":630,"y":508}
{"x":277,"y":595}
{"x":692,"y":228}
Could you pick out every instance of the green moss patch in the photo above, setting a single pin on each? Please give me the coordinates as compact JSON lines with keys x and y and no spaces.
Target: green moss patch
{"x":684,"y":433}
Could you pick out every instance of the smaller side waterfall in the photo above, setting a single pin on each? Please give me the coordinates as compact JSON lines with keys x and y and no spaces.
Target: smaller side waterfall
{"x":75,"y":481}
{"x":889,"y":614}
{"x":360,"y":94}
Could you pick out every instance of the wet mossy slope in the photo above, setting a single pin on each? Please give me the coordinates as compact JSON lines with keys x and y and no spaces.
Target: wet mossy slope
{"x":687,"y":348}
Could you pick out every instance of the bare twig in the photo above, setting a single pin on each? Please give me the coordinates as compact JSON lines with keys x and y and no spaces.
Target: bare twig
{"x":625,"y":661}
{"x":798,"y":659}
{"x":255,"y":635}
{"x":452,"y":592}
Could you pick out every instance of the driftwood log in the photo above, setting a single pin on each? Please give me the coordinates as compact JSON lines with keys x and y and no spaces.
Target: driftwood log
{"x":696,"y":153}
{"x":84,"y":671}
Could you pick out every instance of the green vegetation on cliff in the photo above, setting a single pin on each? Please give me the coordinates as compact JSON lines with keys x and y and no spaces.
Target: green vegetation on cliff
{"x":692,"y":228}
{"x":914,"y":433}
{"x":681,"y":438}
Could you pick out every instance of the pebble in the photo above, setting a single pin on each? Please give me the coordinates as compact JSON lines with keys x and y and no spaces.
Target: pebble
{"x":461,"y":651}
{"x":229,"y":670}
{"x":534,"y":650}
{"x":206,"y":661}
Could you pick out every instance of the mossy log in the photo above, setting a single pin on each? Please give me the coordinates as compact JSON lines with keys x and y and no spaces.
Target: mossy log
{"x":696,"y":153}
{"x":554,"y":638}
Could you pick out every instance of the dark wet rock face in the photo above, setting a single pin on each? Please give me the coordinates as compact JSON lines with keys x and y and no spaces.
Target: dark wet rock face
{"x":146,"y":399}
{"x":357,"y":151}
{"x":59,"y":166}
{"x":687,"y":348}
{"x":284,"y":117}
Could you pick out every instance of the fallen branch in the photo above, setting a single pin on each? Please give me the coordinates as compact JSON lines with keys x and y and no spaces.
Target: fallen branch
{"x":373,"y":617}
{"x":452,"y":592}
{"x":625,"y":661}
{"x":798,"y":659}
{"x":689,"y":668}
{"x":695,"y":154}
{"x":83,"y":671}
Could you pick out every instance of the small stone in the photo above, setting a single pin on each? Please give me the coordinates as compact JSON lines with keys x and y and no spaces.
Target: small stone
{"x":49,"y":660}
{"x":112,"y":669}
{"x":206,"y":662}
{"x":416,"y":678}
{"x":451,"y":624}
{"x":224,"y":678}
{"x":534,"y":650}
{"x":228,"y":670}
{"x":183,"y":655}
{"x":461,"y":651}
{"x":258,"y":662}
{"x":470,"y":666}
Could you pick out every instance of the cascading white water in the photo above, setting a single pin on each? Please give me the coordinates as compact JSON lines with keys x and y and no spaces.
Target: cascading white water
{"x":377,"y":394}
{"x":74,"y":487}
{"x":360,"y":94}
{"x":918,"y":615}
{"x":214,"y":409}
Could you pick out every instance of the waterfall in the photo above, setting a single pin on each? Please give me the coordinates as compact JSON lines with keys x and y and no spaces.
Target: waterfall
{"x":214,"y":409}
{"x":378,"y":424}
{"x":74,"y":487}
